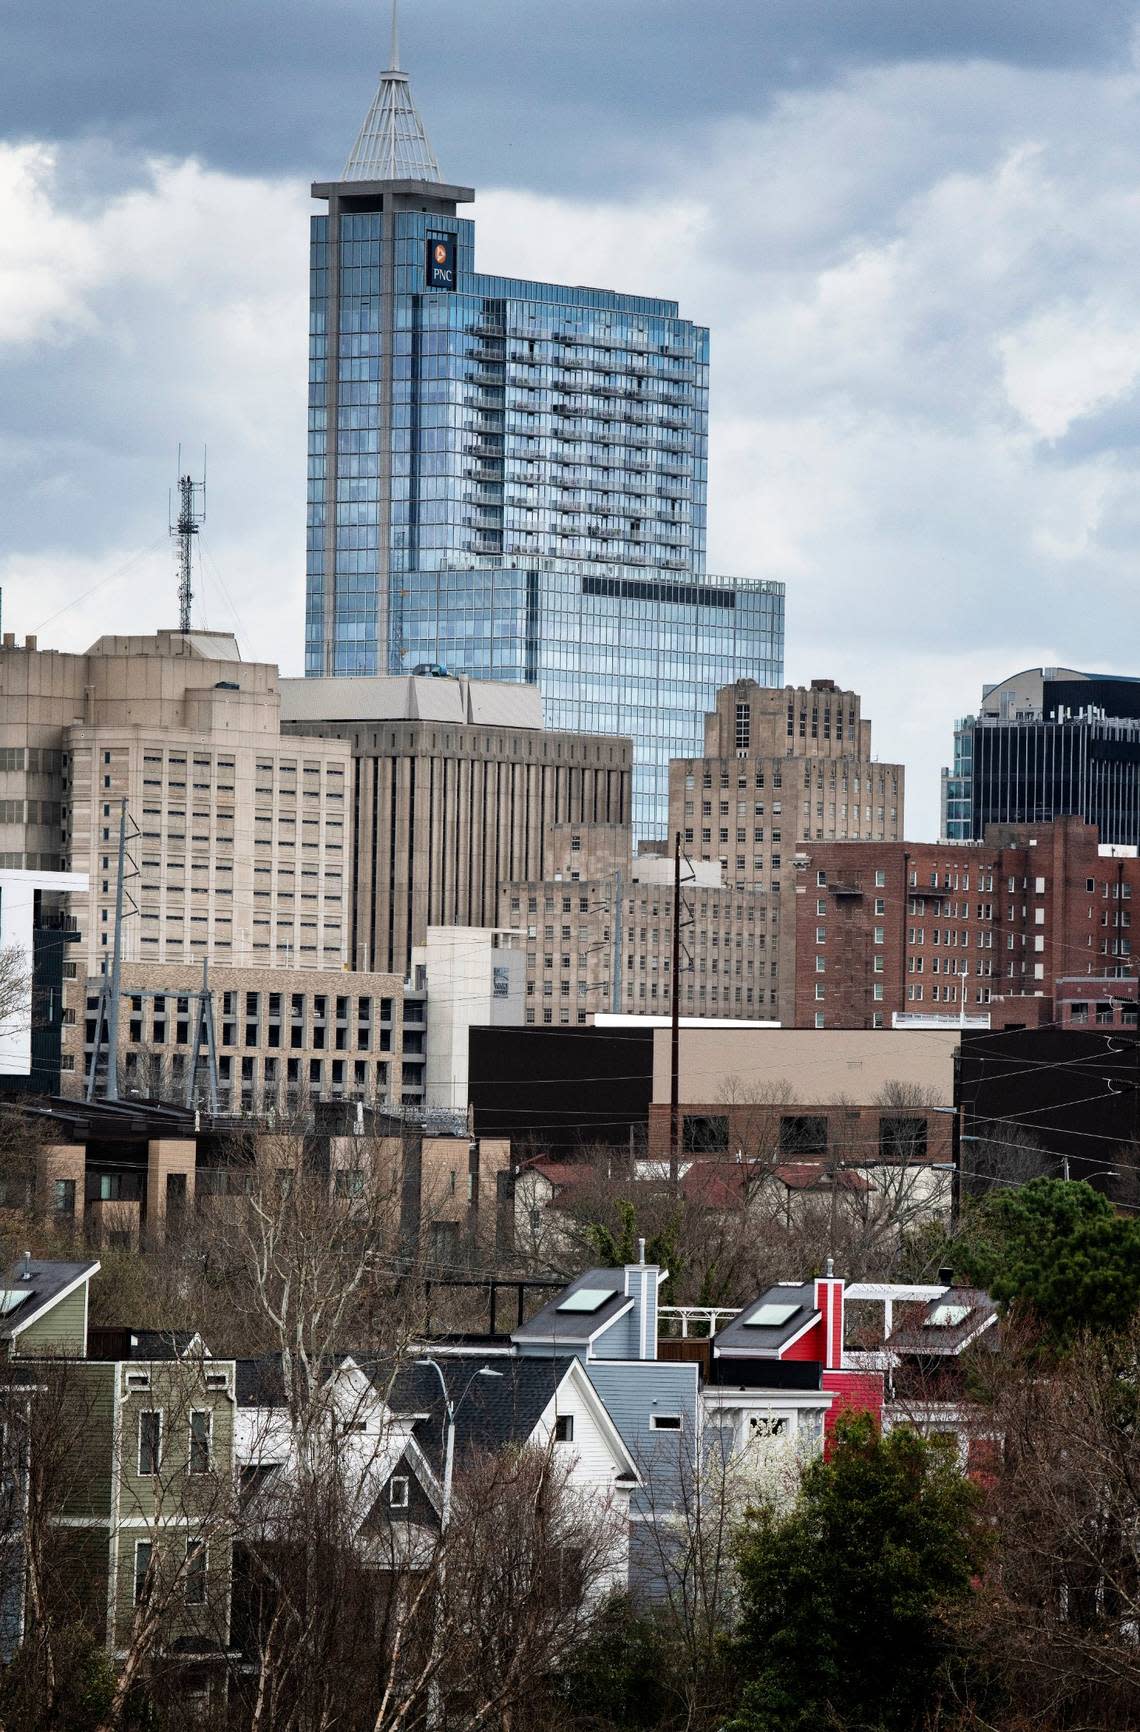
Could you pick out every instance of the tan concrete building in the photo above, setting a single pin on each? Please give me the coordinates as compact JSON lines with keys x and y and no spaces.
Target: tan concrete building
{"x":284,"y":1039}
{"x":780,"y":766}
{"x":457,"y":790}
{"x":239,"y":839}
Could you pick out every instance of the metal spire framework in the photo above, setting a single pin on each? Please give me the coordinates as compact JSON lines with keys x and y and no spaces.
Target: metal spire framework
{"x":392,"y":144}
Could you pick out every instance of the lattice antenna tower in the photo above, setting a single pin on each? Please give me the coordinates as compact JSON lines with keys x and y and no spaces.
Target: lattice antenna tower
{"x":184,"y":527}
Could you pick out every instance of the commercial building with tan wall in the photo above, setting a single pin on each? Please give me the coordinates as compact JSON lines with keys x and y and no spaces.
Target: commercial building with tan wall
{"x":457,"y":789}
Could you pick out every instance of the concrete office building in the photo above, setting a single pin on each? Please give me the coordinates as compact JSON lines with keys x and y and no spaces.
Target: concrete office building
{"x":1048,"y":743}
{"x":778,"y":765}
{"x":508,"y":477}
{"x":239,"y":839}
{"x":284,"y":1037}
{"x":456,"y":789}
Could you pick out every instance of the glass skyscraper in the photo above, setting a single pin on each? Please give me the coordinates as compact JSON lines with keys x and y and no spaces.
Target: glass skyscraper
{"x":507,"y":478}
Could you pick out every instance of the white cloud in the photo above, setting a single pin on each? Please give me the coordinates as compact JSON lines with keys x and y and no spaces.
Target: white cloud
{"x":926,"y":348}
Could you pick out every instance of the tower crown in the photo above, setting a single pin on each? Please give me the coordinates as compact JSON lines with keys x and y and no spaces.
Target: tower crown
{"x":393,"y":143}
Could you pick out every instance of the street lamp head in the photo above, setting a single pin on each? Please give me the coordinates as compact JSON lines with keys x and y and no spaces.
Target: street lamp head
{"x":485,"y":1371}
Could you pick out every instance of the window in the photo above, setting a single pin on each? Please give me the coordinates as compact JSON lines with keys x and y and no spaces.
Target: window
{"x":143,"y":1552}
{"x":880,"y":879}
{"x":803,"y":1134}
{"x":564,"y":1428}
{"x":200,"y":1425}
{"x":902,"y":1138}
{"x":398,"y":1491}
{"x":63,"y":1198}
{"x":768,"y":1425}
{"x":150,"y":1440}
{"x":665,"y":1422}
{"x":703,"y":1134}
{"x":880,"y":936}
{"x":196,"y":1563}
{"x":743,"y":726}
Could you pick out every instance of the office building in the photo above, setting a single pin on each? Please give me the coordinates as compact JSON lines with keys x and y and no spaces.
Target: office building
{"x":237,"y":838}
{"x":508,"y":478}
{"x":456,"y":789}
{"x":778,"y":765}
{"x":1003,"y":927}
{"x":1048,"y":743}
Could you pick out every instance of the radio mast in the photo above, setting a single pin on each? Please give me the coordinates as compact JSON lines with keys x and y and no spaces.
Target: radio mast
{"x":191,"y":513}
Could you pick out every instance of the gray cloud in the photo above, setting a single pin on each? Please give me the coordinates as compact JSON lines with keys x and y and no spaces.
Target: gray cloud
{"x":914,"y":240}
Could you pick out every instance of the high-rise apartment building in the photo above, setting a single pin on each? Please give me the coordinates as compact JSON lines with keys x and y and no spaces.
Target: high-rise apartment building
{"x":1048,"y":743}
{"x":508,"y":478}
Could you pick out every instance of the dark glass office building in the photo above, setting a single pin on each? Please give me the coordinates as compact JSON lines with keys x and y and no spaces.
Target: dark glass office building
{"x":1047,"y":743}
{"x":508,"y":478}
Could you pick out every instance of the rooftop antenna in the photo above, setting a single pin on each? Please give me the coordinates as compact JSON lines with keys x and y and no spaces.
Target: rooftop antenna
{"x":191,"y":513}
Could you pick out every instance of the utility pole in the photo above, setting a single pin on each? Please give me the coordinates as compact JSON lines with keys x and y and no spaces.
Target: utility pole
{"x":675,"y":1029}
{"x":191,"y":513}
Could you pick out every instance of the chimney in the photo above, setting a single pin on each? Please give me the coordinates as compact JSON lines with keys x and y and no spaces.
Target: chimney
{"x":26,"y":1271}
{"x":9,"y":640}
{"x":946,"y":1277}
{"x":641,"y":1286}
{"x":829,"y":1304}
{"x":30,"y":643}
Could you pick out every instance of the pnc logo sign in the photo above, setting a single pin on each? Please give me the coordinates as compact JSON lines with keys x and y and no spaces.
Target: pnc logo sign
{"x":441,"y":261}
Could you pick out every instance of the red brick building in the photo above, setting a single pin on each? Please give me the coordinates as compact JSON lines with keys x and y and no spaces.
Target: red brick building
{"x":952,"y":927}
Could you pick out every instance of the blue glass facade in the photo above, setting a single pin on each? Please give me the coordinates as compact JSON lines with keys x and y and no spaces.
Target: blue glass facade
{"x":509,"y":478}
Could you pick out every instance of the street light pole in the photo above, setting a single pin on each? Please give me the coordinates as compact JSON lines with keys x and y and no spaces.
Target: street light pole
{"x":451,"y":1408}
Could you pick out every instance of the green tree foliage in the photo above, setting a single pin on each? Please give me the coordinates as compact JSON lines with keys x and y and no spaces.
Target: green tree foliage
{"x":614,"y":1249}
{"x":847,"y":1600}
{"x":618,"y":1676}
{"x":1059,"y":1249}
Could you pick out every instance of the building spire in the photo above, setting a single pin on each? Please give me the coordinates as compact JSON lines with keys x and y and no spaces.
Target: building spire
{"x":392,"y":144}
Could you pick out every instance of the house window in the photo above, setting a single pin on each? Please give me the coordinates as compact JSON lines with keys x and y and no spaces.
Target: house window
{"x":200,"y":1441}
{"x":564,"y":1428}
{"x":150,"y":1440}
{"x":63,"y":1198}
{"x":398,"y":1491}
{"x":196,"y":1563}
{"x":665,"y":1422}
{"x":143,"y":1551}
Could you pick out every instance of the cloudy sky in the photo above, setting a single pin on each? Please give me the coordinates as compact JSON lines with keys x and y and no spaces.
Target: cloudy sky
{"x":912,"y":225}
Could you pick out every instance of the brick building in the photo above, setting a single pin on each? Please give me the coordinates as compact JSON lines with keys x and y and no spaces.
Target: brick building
{"x":886,"y":928}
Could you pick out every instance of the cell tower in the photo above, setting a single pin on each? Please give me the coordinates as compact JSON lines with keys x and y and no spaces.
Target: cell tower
{"x":191,"y":513}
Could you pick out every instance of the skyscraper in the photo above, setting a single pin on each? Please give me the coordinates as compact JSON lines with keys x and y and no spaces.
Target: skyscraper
{"x":1048,"y":743}
{"x":507,"y":477}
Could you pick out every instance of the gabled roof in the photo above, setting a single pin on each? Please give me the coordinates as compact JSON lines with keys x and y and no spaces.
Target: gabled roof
{"x":744,"y":1338}
{"x":946,"y":1326}
{"x":718,"y":1184}
{"x":33,"y":1288}
{"x":167,"y":1344}
{"x":563,"y":1321}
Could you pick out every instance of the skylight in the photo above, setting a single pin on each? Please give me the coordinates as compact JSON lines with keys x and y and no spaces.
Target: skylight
{"x":946,"y":1316}
{"x":586,"y":1299}
{"x":12,"y":1297}
{"x":770,"y":1316}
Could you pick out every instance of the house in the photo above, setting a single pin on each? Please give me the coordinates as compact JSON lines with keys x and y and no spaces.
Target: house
{"x":926,"y":1368}
{"x":778,"y":1379}
{"x":606,"y":1319}
{"x":135,"y":1449}
{"x":383,"y":1429}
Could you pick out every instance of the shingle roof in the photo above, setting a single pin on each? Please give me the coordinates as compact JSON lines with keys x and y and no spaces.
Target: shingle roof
{"x":922,"y":1336}
{"x":555,"y":1322}
{"x":489,"y":1410}
{"x":30,"y":1287}
{"x":740,"y":1337}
